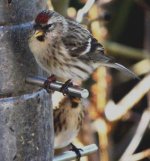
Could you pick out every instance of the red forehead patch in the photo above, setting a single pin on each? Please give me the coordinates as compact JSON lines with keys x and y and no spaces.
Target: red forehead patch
{"x":42,"y":17}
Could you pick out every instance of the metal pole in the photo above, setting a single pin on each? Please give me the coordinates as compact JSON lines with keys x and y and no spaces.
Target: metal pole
{"x":70,"y":155}
{"x":26,"y":120}
{"x":56,"y":86}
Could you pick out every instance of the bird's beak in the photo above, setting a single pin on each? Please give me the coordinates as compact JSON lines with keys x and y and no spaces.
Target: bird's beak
{"x":38,"y":33}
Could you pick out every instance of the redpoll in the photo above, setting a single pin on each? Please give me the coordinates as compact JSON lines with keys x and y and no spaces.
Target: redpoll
{"x":68,"y":116}
{"x":66,"y":49}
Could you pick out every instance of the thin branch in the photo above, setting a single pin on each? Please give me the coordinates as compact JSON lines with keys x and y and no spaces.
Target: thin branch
{"x":84,"y":10}
{"x":100,"y":126}
{"x":142,"y":67}
{"x":143,"y":124}
{"x":116,"y":111}
{"x":139,"y":156}
{"x":120,"y":50}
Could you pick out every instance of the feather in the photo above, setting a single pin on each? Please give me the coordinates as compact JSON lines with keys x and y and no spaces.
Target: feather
{"x":123,"y":69}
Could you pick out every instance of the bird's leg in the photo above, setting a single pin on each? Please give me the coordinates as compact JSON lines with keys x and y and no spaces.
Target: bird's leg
{"x":49,"y":80}
{"x":77,"y":151}
{"x":65,"y":86}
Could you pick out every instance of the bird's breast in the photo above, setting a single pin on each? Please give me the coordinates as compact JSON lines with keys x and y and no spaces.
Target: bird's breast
{"x":67,"y":124}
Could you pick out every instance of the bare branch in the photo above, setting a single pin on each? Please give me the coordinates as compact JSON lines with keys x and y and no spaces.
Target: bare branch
{"x":84,"y":10}
{"x":139,"y":156}
{"x":143,"y":124}
{"x":120,"y":50}
{"x":116,"y":111}
{"x":142,"y":67}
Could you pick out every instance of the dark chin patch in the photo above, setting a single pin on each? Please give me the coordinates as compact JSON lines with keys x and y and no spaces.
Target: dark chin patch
{"x":41,"y":38}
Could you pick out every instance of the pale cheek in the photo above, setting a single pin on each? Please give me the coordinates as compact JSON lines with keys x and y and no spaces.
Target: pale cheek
{"x":37,"y":47}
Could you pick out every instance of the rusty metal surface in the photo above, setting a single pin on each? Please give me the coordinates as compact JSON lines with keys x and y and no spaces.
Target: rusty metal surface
{"x":25,"y":128}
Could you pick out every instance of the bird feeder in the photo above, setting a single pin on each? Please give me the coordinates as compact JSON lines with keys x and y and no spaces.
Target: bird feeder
{"x":26,"y":122}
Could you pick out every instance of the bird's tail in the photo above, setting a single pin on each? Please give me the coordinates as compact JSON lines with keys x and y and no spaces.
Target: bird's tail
{"x":108,"y":61}
{"x":122,"y":69}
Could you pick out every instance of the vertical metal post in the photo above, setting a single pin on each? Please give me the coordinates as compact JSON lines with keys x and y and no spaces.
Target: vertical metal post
{"x":26,"y":122}
{"x":16,"y":61}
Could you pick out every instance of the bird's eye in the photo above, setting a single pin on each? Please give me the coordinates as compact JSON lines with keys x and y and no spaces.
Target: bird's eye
{"x":48,"y":27}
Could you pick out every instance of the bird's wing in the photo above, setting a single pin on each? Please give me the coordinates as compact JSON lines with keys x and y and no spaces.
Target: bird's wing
{"x":81,"y":44}
{"x":76,"y":39}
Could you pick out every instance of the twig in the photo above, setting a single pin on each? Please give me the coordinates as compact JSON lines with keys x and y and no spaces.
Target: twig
{"x":56,"y":86}
{"x":143,"y":124}
{"x":142,"y":67}
{"x":69,"y":155}
{"x":84,"y":10}
{"x":139,"y":156}
{"x":100,"y":126}
{"x":117,"y":49}
{"x":116,"y":111}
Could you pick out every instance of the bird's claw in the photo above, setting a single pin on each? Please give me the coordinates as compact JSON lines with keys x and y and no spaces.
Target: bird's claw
{"x":49,"y":80}
{"x":77,"y":151}
{"x":65,"y":86}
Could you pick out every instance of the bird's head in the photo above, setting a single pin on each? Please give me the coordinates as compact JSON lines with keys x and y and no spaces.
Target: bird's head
{"x":49,"y":25}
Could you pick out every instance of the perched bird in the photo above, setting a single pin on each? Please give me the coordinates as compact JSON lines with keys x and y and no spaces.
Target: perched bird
{"x":66,"y":49}
{"x":68,"y":113}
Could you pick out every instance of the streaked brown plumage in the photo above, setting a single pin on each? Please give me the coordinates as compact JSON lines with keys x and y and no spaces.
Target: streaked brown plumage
{"x":68,"y":116}
{"x":66,"y":49}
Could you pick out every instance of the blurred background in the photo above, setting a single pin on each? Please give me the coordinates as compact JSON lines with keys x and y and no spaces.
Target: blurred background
{"x":118,"y":110}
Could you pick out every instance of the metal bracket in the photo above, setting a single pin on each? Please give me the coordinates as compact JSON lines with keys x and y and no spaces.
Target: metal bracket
{"x":56,"y":86}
